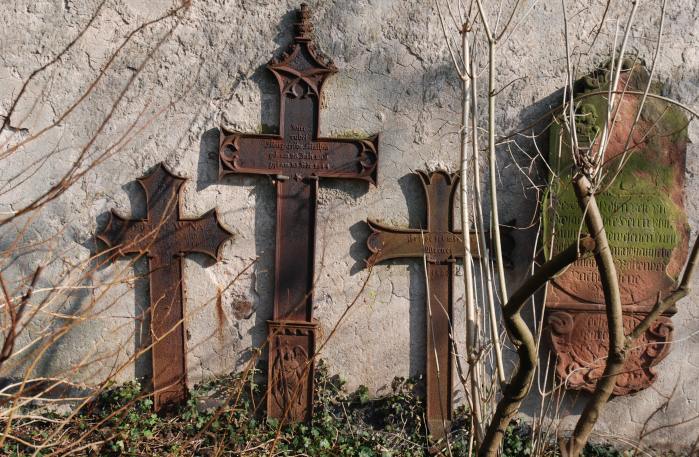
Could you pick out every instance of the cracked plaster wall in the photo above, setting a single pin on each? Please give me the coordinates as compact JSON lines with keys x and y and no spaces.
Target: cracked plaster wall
{"x":395,"y":77}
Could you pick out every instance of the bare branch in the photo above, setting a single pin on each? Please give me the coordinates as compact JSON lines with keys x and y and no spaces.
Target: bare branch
{"x":56,"y":58}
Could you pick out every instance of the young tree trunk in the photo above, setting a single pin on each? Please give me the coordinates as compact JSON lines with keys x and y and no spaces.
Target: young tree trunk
{"x":615,"y":324}
{"x":518,"y":388}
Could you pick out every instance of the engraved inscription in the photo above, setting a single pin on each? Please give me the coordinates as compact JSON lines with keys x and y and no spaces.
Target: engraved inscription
{"x":441,"y":244}
{"x":297,"y":150}
{"x":636,"y":221}
{"x":296,"y":155}
{"x":643,"y":233}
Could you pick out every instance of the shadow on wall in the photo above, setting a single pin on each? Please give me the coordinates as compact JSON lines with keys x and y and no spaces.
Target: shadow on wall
{"x":417,"y":218}
{"x":263,"y":190}
{"x":48,"y":324}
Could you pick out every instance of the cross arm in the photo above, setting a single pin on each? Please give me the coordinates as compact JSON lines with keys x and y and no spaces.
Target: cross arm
{"x":204,"y":234}
{"x":245,"y":153}
{"x":387,"y":243}
{"x":392,"y":243}
{"x":349,"y":158}
{"x":125,"y":236}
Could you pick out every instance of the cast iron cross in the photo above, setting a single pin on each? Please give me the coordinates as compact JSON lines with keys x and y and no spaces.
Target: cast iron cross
{"x":440,"y":245}
{"x":296,"y":159}
{"x":164,"y":237}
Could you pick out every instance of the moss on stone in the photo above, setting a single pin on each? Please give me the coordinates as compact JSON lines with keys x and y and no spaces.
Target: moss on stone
{"x":637,"y":207}
{"x":670,"y":120}
{"x":266,"y":129}
{"x":352,"y":135}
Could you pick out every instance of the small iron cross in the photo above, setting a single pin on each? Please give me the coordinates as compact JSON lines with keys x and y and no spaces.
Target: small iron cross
{"x":440,"y":245}
{"x":164,"y":238}
{"x":297,"y":158}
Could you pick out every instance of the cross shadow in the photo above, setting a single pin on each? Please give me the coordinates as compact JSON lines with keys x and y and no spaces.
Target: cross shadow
{"x":417,"y":217}
{"x":140,"y":291}
{"x":359,"y":252}
{"x":143,"y":364}
{"x":263,"y":191}
{"x":413,"y":192}
{"x":207,"y":165}
{"x":82,"y":296}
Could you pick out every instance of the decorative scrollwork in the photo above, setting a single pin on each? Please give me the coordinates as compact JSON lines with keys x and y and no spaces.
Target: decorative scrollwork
{"x":581,"y":343}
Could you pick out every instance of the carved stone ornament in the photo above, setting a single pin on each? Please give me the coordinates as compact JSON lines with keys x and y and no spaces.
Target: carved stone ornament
{"x":164,"y":237}
{"x":296,"y":158}
{"x":645,"y":222}
{"x":580,"y":340}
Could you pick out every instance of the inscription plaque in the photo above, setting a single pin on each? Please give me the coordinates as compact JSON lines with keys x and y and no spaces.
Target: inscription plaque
{"x":163,"y":237}
{"x":643,"y":211}
{"x":441,"y":246}
{"x":296,"y":159}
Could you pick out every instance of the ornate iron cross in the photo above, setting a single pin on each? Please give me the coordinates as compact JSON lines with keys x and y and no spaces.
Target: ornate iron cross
{"x":441,"y":246}
{"x":297,"y":158}
{"x":164,"y":237}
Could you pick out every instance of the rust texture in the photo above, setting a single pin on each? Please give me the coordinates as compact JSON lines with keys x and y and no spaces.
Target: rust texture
{"x":646,"y":225}
{"x":164,"y":237}
{"x":441,"y":246}
{"x":296,"y":158}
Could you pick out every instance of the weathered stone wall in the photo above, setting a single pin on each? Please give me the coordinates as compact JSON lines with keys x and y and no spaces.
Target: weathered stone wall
{"x":176,"y":81}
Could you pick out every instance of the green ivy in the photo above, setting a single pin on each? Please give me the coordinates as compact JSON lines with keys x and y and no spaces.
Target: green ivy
{"x":225,"y":417}
{"x":600,"y":450}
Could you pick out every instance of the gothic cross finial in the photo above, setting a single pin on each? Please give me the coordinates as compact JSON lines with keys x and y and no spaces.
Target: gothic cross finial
{"x":303,"y":26}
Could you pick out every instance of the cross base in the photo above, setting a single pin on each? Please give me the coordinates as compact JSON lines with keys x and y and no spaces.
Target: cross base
{"x":291,"y":367}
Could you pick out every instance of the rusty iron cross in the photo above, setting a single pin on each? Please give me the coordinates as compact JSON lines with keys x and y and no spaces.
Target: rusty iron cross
{"x":164,"y":238}
{"x":296,"y":158}
{"x":440,"y":245}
